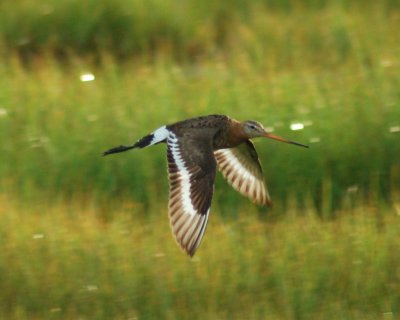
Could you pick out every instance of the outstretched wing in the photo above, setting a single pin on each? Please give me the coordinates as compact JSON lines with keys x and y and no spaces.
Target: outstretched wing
{"x":192,"y":168}
{"x":242,"y":169}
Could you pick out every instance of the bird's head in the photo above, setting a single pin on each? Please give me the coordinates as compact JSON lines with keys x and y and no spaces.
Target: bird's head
{"x":254,"y":129}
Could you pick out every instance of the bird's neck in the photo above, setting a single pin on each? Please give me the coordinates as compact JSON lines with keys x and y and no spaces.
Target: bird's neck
{"x":231,"y":137}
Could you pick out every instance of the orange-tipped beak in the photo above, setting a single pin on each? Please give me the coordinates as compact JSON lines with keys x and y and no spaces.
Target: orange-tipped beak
{"x":272,"y":136}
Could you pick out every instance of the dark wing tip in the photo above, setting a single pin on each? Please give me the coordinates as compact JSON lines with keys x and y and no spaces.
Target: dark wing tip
{"x":190,"y":253}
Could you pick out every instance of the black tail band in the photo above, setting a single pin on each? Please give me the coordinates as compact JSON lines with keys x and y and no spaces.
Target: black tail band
{"x":118,"y":149}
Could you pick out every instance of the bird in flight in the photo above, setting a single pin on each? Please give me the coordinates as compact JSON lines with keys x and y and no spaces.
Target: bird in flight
{"x":196,"y":147}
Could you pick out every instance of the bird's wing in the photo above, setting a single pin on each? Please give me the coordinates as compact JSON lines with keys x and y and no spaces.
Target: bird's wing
{"x":192,"y":168}
{"x":242,"y":169}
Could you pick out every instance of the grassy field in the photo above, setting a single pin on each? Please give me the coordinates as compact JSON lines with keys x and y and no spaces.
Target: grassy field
{"x":82,"y":236}
{"x":338,"y":78}
{"x":56,"y":127}
{"x":64,"y":261}
{"x":195,"y":29}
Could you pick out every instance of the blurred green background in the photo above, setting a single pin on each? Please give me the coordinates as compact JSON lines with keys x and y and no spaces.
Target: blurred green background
{"x":87,"y":237}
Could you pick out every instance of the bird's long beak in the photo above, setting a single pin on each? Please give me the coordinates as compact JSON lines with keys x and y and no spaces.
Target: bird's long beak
{"x":272,"y":136}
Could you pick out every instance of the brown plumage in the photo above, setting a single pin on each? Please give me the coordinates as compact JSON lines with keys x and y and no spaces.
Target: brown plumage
{"x":195,"y":149}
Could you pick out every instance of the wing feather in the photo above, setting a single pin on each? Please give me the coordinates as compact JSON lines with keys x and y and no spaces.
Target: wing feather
{"x":241,"y":168}
{"x":191,"y":179}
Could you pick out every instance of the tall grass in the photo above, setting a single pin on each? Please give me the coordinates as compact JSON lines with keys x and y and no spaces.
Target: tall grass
{"x":184,"y":30}
{"x":66,"y":261}
{"x":55,"y":127}
{"x":332,"y":67}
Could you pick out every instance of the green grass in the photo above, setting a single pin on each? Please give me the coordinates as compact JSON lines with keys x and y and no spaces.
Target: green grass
{"x":56,"y":127}
{"x":189,"y":30}
{"x":332,"y":66}
{"x":65,"y":261}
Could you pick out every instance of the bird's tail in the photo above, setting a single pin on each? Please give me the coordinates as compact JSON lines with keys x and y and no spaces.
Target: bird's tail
{"x":158,"y":136}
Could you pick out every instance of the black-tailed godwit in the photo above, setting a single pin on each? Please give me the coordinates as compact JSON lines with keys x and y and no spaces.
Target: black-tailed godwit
{"x":195,"y":149}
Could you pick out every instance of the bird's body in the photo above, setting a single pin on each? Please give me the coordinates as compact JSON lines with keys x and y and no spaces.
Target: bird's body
{"x":195,"y":149}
